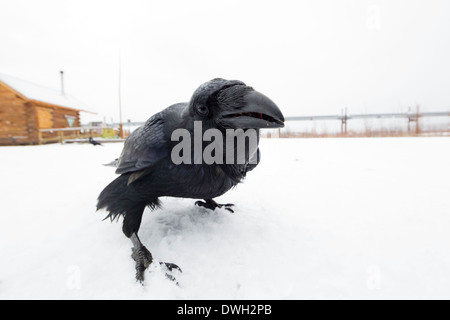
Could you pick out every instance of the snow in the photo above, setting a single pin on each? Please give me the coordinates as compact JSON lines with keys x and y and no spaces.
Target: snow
{"x":40,"y":93}
{"x":318,"y":219}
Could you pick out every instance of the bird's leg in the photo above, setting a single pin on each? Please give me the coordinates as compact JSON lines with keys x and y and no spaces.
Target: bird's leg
{"x":144,"y":258}
{"x":141,"y":255}
{"x":212,"y":205}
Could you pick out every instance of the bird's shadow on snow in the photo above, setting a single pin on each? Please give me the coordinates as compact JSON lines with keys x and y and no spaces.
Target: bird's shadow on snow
{"x":180,"y":217}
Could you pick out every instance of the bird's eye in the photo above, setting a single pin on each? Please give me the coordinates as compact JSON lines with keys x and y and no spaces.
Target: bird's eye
{"x":203,"y":110}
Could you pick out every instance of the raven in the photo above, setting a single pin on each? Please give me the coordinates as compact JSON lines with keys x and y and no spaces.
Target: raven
{"x":94,"y":143}
{"x":148,"y":172}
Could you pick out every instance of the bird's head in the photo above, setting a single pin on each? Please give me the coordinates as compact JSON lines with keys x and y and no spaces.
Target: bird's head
{"x":232,"y":104}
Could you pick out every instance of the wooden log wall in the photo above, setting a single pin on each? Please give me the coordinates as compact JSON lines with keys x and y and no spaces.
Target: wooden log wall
{"x":21,"y":120}
{"x":51,"y":116}
{"x":14,"y":119}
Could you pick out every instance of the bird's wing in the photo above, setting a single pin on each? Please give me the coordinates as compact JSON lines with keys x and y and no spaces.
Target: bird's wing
{"x":145,"y":147}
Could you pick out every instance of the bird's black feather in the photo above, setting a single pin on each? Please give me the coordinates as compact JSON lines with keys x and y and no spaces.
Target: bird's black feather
{"x":150,"y":143}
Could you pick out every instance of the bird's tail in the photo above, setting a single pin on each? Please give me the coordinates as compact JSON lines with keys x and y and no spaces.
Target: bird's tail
{"x":120,"y":198}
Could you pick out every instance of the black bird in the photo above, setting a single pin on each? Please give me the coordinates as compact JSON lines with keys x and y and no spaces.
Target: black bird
{"x":147,"y":170}
{"x":93,"y":142}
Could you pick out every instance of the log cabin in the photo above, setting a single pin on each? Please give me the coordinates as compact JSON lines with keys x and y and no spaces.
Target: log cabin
{"x":26,"y":108}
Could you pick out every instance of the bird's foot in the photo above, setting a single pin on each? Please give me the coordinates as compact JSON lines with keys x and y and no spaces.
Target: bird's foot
{"x":170,"y":267}
{"x":144,"y":259}
{"x":212,"y":205}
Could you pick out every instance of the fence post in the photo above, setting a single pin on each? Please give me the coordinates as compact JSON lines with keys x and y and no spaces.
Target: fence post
{"x":344,"y":122}
{"x":417,"y":121}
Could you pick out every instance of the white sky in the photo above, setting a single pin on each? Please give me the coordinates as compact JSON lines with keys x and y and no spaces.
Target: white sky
{"x":311,"y":57}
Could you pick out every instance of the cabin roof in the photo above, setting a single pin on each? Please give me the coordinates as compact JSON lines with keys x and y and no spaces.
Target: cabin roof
{"x":31,"y":91}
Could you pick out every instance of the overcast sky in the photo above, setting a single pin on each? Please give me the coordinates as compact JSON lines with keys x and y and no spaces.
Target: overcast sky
{"x":311,"y":57}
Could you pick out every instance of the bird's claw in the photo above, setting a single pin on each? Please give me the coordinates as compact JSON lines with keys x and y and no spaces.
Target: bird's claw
{"x":212,"y":205}
{"x":144,"y":259}
{"x":228,"y":207}
{"x":170,"y":266}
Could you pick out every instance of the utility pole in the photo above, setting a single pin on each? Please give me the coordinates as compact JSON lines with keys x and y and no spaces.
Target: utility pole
{"x":62,"y":82}
{"x":120,"y":97}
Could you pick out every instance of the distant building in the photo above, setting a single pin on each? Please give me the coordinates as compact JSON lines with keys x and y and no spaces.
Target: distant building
{"x":26,"y":108}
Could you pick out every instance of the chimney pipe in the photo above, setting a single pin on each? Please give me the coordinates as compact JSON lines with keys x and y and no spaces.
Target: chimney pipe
{"x":62,"y":82}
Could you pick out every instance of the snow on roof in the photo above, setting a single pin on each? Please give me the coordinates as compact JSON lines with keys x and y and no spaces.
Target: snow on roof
{"x":37,"y":92}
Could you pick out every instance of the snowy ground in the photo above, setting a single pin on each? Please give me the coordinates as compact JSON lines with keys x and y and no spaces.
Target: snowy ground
{"x":319,"y":218}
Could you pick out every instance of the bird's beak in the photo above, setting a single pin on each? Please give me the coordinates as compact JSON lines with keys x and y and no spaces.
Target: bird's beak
{"x":258,"y":112}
